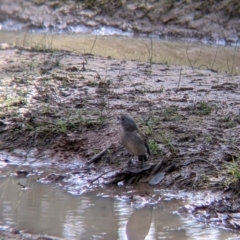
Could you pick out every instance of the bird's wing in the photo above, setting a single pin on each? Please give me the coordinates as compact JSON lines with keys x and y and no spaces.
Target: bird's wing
{"x":146,"y":145}
{"x":143,"y":138}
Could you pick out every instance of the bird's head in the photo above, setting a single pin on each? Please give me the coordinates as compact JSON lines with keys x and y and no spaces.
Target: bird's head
{"x":127,"y":123}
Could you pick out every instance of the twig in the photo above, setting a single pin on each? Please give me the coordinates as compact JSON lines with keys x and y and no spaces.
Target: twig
{"x":234,"y":55}
{"x":214,"y":57}
{"x":93,"y":44}
{"x":150,"y":54}
{"x":179,"y":78}
{"x":151,"y":57}
{"x":217,"y":169}
{"x":203,"y":161}
{"x":115,"y":180}
{"x":196,"y":60}
{"x":168,"y":168}
{"x":100,"y":175}
{"x":81,"y":170}
{"x":189,"y":58}
{"x":230,"y":129}
{"x":228,"y":65}
{"x":97,"y":156}
{"x":199,"y":55}
{"x":157,"y":167}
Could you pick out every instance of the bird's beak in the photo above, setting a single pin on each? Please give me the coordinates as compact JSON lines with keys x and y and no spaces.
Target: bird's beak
{"x":119,"y":119}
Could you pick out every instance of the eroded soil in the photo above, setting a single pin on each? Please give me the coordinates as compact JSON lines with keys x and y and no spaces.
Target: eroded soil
{"x":60,"y":109}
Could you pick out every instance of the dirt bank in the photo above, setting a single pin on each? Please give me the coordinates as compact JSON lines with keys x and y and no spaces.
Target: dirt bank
{"x":60,"y":109}
{"x":208,"y":21}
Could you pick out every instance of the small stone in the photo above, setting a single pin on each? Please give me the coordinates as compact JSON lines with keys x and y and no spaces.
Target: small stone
{"x":157,"y":178}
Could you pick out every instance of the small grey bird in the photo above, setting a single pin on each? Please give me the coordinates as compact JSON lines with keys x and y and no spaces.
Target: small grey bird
{"x":132,"y":139}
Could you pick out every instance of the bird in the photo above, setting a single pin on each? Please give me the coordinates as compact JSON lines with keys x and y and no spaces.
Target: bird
{"x":132,"y":139}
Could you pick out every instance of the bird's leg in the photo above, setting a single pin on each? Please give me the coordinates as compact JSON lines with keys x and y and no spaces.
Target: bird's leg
{"x":142,"y":158}
{"x":130,"y":160}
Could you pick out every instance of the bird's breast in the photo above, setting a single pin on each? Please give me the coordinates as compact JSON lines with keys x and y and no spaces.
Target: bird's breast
{"x":133,"y":143}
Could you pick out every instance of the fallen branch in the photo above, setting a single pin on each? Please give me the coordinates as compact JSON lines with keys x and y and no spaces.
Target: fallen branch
{"x":100,"y":175}
{"x":115,"y":180}
{"x":230,"y":129}
{"x":157,"y":167}
{"x":122,"y":174}
{"x":83,"y":169}
{"x":96,"y":157}
{"x":133,"y":173}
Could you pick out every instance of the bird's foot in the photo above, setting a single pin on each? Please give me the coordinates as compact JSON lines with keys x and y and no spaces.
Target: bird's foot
{"x":139,"y":164}
{"x":130,"y":162}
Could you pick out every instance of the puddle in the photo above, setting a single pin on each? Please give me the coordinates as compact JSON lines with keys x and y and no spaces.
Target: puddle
{"x":196,"y":55}
{"x":41,"y":208}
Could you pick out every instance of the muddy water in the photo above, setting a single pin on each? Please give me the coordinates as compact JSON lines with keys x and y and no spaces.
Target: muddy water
{"x":41,"y":208}
{"x":197,"y":55}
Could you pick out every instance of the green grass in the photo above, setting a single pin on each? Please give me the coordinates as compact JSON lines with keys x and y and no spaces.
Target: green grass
{"x":169,"y":113}
{"x":92,"y":83}
{"x":45,"y":44}
{"x":201,"y":108}
{"x":153,"y":146}
{"x":233,"y":170}
{"x":167,"y":140}
{"x":229,"y":121}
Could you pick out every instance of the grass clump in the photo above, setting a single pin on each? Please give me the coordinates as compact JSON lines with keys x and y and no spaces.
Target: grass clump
{"x":229,"y":121}
{"x":169,"y":113}
{"x":153,"y":146}
{"x":44,"y":43}
{"x":92,"y":83}
{"x":233,"y":170}
{"x":201,"y":108}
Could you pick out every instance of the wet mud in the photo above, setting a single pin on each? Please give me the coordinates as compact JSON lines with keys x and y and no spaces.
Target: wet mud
{"x":59,"y":110}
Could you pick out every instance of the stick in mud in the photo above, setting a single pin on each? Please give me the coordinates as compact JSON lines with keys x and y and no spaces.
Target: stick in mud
{"x":97,"y":156}
{"x":100,"y":175}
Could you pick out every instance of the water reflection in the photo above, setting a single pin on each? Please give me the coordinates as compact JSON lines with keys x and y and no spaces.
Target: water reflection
{"x":139,"y":223}
{"x":43,"y":209}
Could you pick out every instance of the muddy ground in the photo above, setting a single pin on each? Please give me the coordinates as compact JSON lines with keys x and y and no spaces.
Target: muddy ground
{"x":209,"y":21}
{"x":60,"y":109}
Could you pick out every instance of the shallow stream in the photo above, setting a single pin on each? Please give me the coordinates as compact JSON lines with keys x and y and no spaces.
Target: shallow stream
{"x":40,"y":208}
{"x":188,"y":53}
